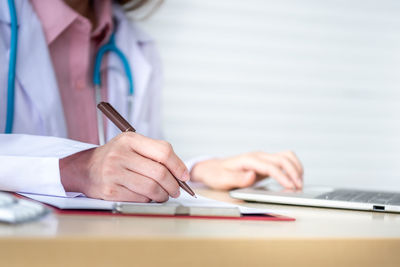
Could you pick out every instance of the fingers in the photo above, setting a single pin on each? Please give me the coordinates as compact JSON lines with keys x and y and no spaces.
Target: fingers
{"x":285,"y":164}
{"x":266,"y":168}
{"x":159,"y":151}
{"x":153,"y":170}
{"x":295,"y":160}
{"x":130,"y":167}
{"x":120,"y":193}
{"x":142,"y":185}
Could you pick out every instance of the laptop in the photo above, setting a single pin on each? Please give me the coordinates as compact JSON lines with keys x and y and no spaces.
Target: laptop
{"x":326,"y":197}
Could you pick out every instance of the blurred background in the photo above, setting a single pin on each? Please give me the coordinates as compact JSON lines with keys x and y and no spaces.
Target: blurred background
{"x":321,"y":78}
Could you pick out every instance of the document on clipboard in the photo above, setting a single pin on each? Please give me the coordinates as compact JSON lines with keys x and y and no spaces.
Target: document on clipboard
{"x":185,"y":206}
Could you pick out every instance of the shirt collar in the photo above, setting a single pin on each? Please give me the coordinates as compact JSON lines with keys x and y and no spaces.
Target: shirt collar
{"x":56,"y":16}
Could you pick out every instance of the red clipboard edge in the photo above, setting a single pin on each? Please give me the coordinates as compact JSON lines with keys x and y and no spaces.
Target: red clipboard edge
{"x":246,"y":217}
{"x":258,"y":217}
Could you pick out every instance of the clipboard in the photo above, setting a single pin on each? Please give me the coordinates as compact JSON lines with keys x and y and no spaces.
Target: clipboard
{"x":183,"y":209}
{"x":245,"y":217}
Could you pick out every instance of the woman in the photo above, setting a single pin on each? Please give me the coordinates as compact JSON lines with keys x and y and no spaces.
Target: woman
{"x":55,"y":100}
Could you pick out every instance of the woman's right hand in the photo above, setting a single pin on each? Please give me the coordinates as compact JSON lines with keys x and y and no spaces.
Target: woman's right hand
{"x":130,"y":167}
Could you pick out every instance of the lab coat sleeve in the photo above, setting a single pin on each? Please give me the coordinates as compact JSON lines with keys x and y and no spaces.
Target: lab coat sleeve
{"x":30,"y":163}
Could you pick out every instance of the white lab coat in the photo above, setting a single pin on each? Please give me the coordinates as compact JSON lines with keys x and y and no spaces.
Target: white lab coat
{"x":29,"y":157}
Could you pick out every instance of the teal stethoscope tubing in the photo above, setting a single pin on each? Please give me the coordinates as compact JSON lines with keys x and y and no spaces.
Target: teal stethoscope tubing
{"x":110,"y":46}
{"x":11,"y":66}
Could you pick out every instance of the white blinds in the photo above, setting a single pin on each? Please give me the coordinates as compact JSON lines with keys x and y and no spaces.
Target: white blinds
{"x":321,"y":78}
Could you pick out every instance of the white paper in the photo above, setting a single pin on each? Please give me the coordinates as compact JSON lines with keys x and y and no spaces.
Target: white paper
{"x":82,"y":202}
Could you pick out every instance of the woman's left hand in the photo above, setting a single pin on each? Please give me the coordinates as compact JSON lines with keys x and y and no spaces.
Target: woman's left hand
{"x":246,"y":169}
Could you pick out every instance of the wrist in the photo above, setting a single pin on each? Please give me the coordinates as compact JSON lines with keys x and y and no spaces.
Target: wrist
{"x":199,"y":170}
{"x":74,"y":169}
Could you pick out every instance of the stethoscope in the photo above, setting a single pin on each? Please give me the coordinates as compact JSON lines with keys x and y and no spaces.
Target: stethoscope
{"x":110,"y":46}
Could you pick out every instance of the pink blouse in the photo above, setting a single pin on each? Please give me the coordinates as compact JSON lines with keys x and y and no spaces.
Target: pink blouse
{"x":73,"y":44}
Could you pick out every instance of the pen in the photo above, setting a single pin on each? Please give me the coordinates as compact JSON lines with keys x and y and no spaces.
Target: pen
{"x":113,"y":115}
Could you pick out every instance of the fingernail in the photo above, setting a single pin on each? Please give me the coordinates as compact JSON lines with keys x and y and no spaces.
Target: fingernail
{"x":301,"y":178}
{"x":186,"y":176}
{"x":299,"y":183}
{"x":177,"y":194}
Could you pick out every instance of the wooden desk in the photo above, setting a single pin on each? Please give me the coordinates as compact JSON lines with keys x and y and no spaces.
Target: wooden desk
{"x":319,"y":237}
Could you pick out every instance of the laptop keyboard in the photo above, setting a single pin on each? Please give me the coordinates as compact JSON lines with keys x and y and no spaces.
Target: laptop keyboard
{"x":386,"y":198}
